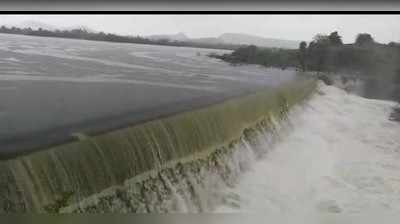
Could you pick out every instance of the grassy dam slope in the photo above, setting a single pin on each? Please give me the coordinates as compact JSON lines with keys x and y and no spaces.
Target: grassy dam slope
{"x":142,"y":168}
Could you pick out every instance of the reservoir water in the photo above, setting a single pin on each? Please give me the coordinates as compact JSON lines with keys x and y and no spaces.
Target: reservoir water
{"x":51,"y":88}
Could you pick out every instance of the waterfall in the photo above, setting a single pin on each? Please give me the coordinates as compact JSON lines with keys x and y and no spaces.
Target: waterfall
{"x":196,"y":186}
{"x":199,"y":153}
{"x":338,"y":158}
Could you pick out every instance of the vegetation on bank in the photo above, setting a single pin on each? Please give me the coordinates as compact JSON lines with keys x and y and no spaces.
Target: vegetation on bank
{"x":327,"y":53}
{"x":101,"y":36}
{"x":269,"y":57}
{"x":396,"y":112}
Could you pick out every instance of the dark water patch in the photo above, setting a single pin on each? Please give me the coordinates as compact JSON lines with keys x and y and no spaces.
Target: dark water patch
{"x":395,"y":115}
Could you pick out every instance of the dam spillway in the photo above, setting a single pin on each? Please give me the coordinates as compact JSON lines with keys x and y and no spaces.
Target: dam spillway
{"x":106,"y":162}
{"x":132,"y":167}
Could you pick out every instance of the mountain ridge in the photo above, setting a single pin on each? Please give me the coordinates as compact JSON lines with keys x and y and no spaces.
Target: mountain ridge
{"x":232,"y":38}
{"x":225,"y":38}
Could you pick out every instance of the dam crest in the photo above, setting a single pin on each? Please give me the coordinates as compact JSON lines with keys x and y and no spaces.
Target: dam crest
{"x":180,"y":163}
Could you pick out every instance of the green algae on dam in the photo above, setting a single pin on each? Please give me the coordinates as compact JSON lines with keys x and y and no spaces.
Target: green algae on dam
{"x":77,"y":170}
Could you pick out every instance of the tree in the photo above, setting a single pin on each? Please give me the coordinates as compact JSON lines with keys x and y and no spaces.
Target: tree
{"x":246,"y":54}
{"x":318,"y":51}
{"x":321,"y":39}
{"x":302,"y":55}
{"x":397,"y":77}
{"x":335,"y":39}
{"x":396,"y":92}
{"x":393,"y":44}
{"x":364,"y":39}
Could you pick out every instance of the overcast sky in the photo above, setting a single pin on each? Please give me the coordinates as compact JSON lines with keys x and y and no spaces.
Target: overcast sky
{"x":384,"y":28}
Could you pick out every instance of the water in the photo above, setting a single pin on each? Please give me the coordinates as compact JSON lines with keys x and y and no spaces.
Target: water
{"x":51,"y":88}
{"x":340,"y":156}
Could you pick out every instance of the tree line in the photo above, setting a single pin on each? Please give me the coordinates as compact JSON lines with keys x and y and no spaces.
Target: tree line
{"x":365,"y":58}
{"x":328,"y":54}
{"x":269,"y":57}
{"x":324,"y":53}
{"x":102,"y":36}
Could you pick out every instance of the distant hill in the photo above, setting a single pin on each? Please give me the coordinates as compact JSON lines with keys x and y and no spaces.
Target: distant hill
{"x":80,"y":27}
{"x":224,"y":41}
{"x":170,"y":37}
{"x":226,"y":38}
{"x":239,"y":38}
{"x":35,"y":25}
{"x":208,"y":40}
{"x":232,"y":38}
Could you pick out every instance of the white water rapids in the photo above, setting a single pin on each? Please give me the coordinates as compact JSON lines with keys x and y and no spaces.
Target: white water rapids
{"x":341,"y":155}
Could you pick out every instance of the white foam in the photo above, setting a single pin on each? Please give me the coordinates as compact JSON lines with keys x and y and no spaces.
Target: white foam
{"x":342,"y":157}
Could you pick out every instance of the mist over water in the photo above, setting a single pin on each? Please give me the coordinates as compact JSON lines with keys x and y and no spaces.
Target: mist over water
{"x":339,"y":155}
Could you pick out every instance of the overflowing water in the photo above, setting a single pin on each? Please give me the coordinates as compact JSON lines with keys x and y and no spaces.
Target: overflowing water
{"x":340,"y":155}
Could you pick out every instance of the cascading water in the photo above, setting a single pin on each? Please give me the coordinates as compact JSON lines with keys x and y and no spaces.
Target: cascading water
{"x":339,"y":155}
{"x":180,"y":163}
{"x":196,"y":186}
{"x":335,"y":154}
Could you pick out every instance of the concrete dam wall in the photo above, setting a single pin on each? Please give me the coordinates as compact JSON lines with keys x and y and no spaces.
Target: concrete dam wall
{"x":166,"y":165}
